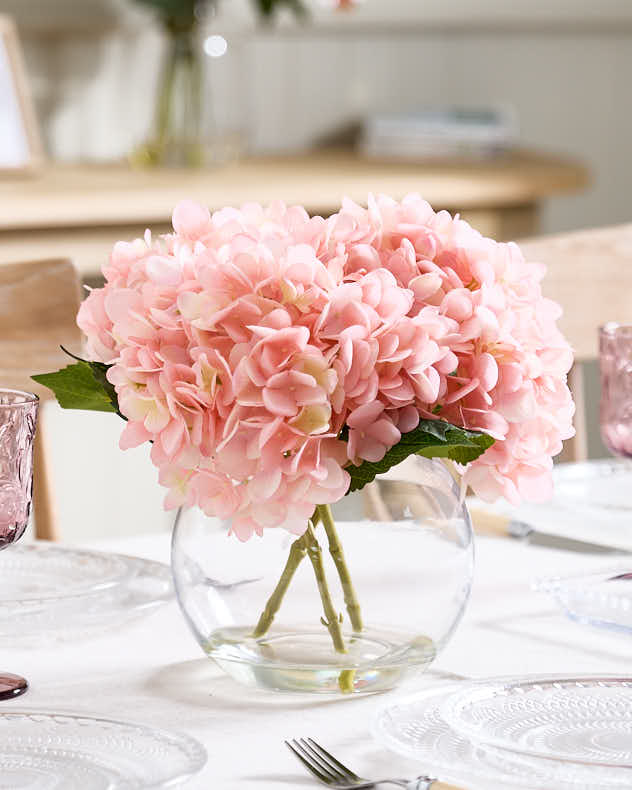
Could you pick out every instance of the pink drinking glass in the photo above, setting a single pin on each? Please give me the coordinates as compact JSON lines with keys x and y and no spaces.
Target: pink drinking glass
{"x":18,"y":416}
{"x":615,"y":361}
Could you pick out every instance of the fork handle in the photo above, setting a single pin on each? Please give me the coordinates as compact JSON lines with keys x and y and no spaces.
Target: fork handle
{"x":421,"y":783}
{"x":486,"y":522}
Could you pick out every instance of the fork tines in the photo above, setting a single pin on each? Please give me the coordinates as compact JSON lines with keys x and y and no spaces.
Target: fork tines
{"x":323,"y":765}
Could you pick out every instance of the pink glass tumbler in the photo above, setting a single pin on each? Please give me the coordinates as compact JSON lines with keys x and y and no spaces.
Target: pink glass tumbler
{"x":615,"y":361}
{"x":18,"y":416}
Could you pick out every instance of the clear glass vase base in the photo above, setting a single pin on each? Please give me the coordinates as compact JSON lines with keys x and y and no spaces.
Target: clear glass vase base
{"x":304,"y":661}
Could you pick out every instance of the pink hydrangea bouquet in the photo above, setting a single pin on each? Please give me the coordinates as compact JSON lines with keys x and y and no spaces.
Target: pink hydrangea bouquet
{"x":277,"y":361}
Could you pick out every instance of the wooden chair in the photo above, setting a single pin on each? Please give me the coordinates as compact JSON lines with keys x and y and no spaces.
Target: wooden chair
{"x":590,"y":275}
{"x":38,"y":307}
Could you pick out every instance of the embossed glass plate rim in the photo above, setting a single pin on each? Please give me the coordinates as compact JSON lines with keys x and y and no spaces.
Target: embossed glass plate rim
{"x":571,"y":591}
{"x":195,"y":751}
{"x":593,"y":469}
{"x":149,"y":588}
{"x":475,"y":775}
{"x":448,"y":712}
{"x":130,"y":569}
{"x":574,"y":472}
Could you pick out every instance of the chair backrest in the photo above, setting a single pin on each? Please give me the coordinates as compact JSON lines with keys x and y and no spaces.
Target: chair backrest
{"x":38,"y":307}
{"x":590,"y":275}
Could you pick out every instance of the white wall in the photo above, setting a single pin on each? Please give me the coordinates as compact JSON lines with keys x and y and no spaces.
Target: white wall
{"x":98,"y":490}
{"x":571,"y":92}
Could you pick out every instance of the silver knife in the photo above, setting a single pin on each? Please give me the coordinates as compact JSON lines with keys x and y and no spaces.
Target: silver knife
{"x":487,"y":523}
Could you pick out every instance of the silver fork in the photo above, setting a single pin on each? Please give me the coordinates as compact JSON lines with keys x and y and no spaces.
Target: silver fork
{"x":333,"y":773}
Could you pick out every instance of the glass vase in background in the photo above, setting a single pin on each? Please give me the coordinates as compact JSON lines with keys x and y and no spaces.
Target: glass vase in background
{"x":615,"y":362}
{"x":18,"y":417}
{"x":407,"y":543}
{"x":199,"y":114}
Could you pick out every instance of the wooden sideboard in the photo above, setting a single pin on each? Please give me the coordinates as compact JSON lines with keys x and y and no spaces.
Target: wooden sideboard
{"x":79,"y":212}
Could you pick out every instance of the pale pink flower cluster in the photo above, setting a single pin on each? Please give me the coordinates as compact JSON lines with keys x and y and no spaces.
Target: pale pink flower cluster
{"x":244,"y":342}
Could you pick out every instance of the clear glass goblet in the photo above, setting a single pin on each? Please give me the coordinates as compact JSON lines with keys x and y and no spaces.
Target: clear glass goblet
{"x":18,"y":416}
{"x":615,"y":361}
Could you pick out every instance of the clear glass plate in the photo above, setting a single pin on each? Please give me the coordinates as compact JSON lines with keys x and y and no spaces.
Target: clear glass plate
{"x":415,"y":728}
{"x":601,"y":486}
{"x":48,"y":751}
{"x":582,"y":720}
{"x":40,"y":572}
{"x":143,"y":586}
{"x":594,"y":599}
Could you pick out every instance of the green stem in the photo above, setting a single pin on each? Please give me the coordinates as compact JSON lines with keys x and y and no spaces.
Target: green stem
{"x":331,"y":620}
{"x":194,"y":147}
{"x":308,"y":545}
{"x":335,"y":549}
{"x":298,"y":550}
{"x":164,"y":110}
{"x":345,"y":680}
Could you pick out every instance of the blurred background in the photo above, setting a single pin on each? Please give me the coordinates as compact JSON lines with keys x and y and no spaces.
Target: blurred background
{"x":562,"y":66}
{"x":516,"y":114}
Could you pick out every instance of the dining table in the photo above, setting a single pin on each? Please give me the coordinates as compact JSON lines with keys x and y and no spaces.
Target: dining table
{"x":152,"y":671}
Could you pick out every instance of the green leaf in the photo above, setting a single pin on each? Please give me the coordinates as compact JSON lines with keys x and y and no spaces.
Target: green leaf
{"x":99,"y":371}
{"x":431,"y":439}
{"x":77,"y":387}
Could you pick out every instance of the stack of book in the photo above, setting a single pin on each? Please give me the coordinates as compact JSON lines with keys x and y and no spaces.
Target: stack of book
{"x":440,"y":133}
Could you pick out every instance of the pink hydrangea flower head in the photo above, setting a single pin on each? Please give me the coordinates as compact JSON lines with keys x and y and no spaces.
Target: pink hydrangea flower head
{"x":264,"y":352}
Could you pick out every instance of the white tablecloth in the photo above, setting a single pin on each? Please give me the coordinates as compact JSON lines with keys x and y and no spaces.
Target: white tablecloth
{"x":153,"y":672}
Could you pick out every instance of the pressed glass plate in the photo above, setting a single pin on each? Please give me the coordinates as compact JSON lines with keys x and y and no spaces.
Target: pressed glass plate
{"x":415,"y":728}
{"x":601,"y":486}
{"x":594,"y":598}
{"x":47,"y":594}
{"x":584,"y":720}
{"x":48,"y":751}
{"x":39,"y":572}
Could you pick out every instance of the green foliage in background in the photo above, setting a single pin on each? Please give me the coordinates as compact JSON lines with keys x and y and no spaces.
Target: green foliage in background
{"x":182,"y":15}
{"x":267,"y":8}
{"x":177,"y":15}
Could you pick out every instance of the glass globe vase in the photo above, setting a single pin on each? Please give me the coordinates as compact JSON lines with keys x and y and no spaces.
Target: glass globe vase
{"x":353,"y":614}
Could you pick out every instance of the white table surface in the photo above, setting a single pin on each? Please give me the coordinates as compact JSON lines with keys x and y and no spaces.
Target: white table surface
{"x":153,"y":672}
